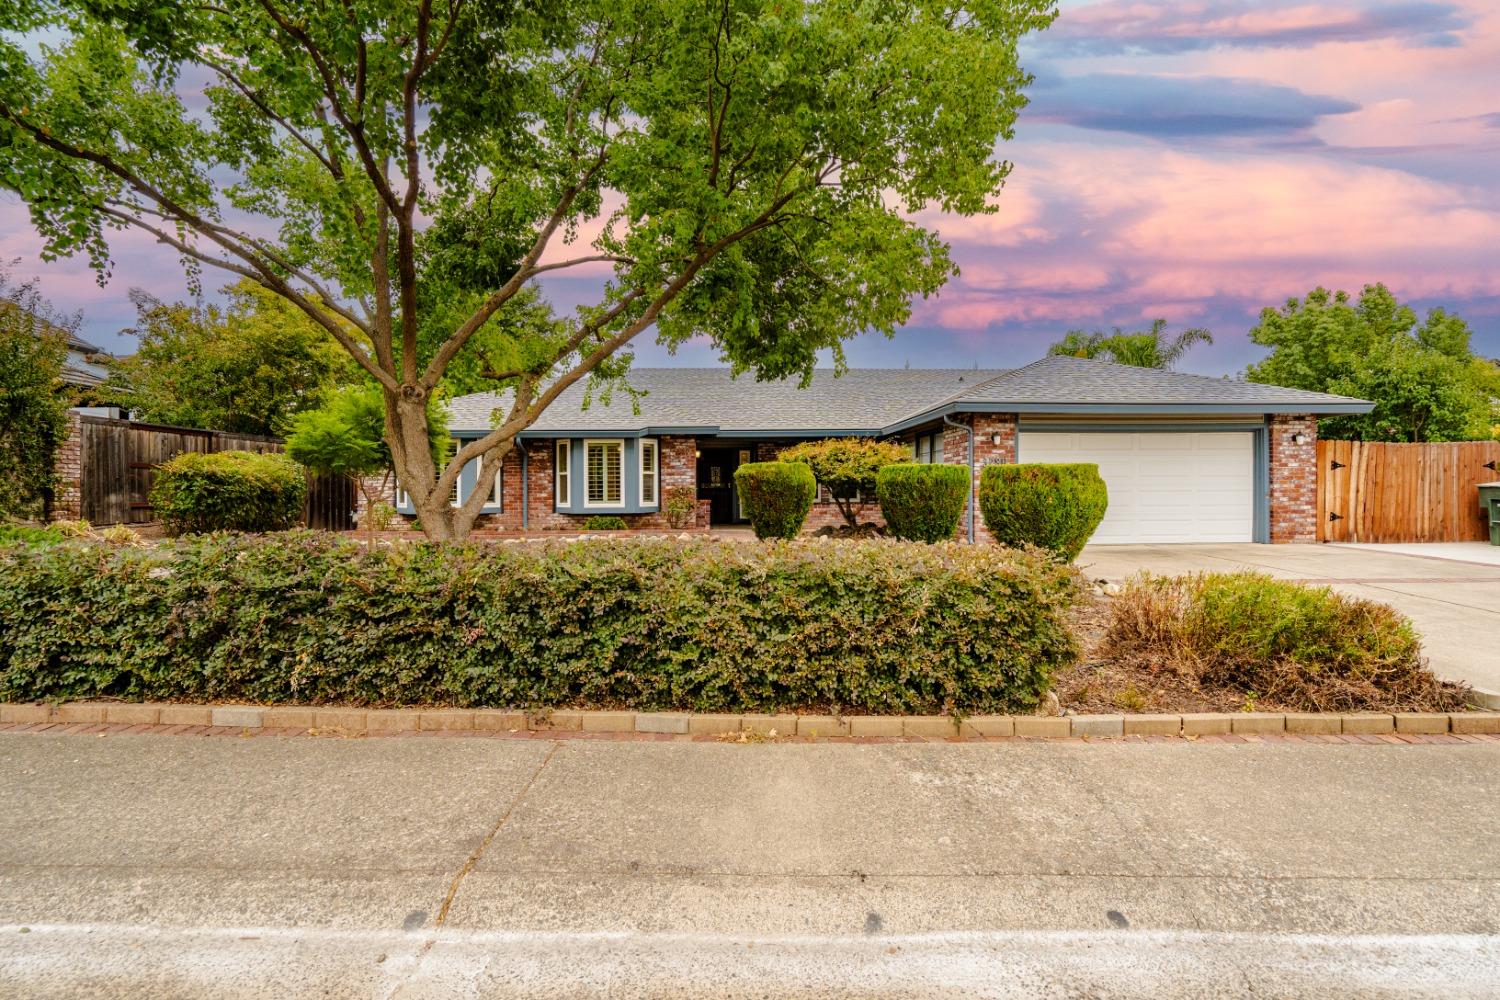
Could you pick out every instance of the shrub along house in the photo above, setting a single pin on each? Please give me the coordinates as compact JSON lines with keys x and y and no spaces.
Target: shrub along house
{"x":1187,"y":458}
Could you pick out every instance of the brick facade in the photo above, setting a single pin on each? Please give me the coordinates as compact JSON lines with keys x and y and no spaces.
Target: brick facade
{"x":1294,"y":479}
{"x":677,"y":461}
{"x":994,"y":444}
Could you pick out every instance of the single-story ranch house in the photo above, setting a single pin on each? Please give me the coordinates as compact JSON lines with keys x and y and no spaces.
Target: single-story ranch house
{"x":1187,"y":458}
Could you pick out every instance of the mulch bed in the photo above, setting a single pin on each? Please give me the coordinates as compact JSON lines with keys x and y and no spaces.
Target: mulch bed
{"x":1100,"y":685}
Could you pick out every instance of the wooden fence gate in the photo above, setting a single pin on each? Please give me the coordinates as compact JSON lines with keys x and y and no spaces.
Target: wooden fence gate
{"x":1373,"y":492}
{"x":118,"y":460}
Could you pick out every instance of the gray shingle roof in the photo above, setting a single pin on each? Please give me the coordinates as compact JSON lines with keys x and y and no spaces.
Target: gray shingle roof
{"x":1083,"y":380}
{"x":867,"y":400}
{"x":862,"y":399}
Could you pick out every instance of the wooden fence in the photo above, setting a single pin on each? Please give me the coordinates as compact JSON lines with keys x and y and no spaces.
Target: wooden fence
{"x":1370,"y":492}
{"x":118,"y":460}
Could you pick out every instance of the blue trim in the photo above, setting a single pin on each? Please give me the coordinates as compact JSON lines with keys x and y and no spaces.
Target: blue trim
{"x":630,"y":478}
{"x":1261,"y":532}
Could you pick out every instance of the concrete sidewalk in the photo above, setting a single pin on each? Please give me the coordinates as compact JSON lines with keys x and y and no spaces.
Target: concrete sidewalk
{"x":158,"y":866}
{"x":1454,"y":602}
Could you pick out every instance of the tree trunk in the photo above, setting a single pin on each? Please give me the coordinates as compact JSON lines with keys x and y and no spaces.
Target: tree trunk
{"x":416,"y":473}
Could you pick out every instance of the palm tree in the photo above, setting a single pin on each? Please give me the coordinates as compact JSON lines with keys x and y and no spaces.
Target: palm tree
{"x":1143,"y":349}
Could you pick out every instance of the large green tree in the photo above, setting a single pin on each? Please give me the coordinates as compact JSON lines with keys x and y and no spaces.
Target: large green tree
{"x":33,"y":398}
{"x":1421,"y":375}
{"x":1141,"y":348}
{"x":247,"y":367}
{"x":745,"y":170}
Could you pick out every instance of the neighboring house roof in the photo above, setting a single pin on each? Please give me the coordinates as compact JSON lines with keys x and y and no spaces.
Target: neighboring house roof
{"x":886,"y":400}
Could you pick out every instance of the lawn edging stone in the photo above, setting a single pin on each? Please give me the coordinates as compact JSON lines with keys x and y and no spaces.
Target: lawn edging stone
{"x":687,"y":725}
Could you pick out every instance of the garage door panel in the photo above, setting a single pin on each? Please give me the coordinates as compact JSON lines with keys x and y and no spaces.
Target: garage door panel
{"x":1169,"y":486}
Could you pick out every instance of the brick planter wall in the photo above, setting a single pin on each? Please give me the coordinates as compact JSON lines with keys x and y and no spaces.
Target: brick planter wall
{"x":1294,"y":479}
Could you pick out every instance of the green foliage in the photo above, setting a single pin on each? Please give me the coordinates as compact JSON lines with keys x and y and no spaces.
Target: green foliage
{"x":605,"y":522}
{"x":749,"y":174}
{"x":680,"y":504}
{"x":30,"y":534}
{"x":1280,"y":642}
{"x":346,"y":435}
{"x":775,"y":496}
{"x":1141,"y":348}
{"x":847,"y":467}
{"x":228,"y":491}
{"x":33,"y":398}
{"x":247,"y":368}
{"x":643,"y":623}
{"x":1422,"y":377}
{"x":1056,"y":507}
{"x":923,"y":502}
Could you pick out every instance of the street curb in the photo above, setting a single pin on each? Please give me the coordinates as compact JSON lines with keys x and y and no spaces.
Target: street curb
{"x":933,"y":727}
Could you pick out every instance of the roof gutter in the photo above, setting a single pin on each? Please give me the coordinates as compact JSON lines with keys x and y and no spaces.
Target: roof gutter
{"x":969,"y":433}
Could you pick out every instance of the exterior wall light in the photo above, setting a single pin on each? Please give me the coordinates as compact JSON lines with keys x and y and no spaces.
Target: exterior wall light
{"x":1299,"y":438}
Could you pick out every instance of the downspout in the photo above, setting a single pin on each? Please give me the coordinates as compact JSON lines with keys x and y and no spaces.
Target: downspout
{"x":969,"y":433}
{"x":525,"y":489}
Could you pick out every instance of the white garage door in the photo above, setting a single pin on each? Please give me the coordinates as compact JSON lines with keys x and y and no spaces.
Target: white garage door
{"x":1168,"y":486}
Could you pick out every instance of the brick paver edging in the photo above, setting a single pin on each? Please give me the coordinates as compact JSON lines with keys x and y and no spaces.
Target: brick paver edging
{"x":121,"y":716}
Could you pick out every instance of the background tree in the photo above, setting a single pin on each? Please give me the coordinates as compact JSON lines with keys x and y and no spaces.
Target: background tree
{"x":744,"y":170}
{"x":847,"y":468}
{"x":346,"y":437}
{"x":246,"y":368}
{"x":1142,"y":348}
{"x":33,"y":399}
{"x":1422,"y":377}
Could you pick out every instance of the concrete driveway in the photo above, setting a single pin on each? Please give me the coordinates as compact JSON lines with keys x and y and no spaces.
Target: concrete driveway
{"x":1453,"y":598}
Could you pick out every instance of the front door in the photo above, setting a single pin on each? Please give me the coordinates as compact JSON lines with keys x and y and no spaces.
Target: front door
{"x":716,"y":482}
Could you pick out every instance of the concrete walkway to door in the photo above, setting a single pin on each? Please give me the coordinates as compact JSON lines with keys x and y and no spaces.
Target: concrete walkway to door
{"x":1454,"y":604}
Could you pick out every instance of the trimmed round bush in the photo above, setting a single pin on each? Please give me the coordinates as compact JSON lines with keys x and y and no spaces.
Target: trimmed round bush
{"x":923,"y":502}
{"x":1055,"y":507}
{"x":605,"y":522}
{"x":775,"y":496}
{"x":228,"y":491}
{"x":648,"y":624}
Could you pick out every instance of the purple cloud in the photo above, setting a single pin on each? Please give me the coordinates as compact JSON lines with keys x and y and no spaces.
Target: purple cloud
{"x":1128,"y":26}
{"x":1179,"y":106}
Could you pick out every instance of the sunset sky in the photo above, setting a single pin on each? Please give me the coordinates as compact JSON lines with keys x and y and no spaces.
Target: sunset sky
{"x":1191,"y":160}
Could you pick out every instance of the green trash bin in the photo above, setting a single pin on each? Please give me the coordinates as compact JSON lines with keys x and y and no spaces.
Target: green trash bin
{"x":1489,"y":502}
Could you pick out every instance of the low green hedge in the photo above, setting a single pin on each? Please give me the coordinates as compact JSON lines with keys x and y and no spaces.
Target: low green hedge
{"x":605,"y":522}
{"x":228,"y":491}
{"x":775,"y":496}
{"x":1054,"y":506}
{"x":644,"y":623}
{"x":923,"y":502}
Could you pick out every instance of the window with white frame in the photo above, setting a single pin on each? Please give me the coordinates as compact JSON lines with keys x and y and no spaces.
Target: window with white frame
{"x":455,"y":495}
{"x":928,"y":447}
{"x":494,"y":498}
{"x":563,"y":473}
{"x":648,"y":472}
{"x":604,"y":473}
